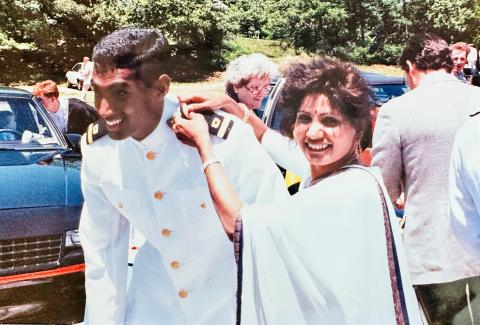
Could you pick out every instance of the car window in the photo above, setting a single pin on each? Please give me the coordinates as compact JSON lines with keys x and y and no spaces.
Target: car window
{"x":276,"y":118}
{"x":384,"y":93}
{"x":77,"y":67}
{"x":22,"y":124}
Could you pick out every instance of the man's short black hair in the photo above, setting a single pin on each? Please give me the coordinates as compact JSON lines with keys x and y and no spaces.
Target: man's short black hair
{"x":143,"y":50}
{"x":427,"y":52}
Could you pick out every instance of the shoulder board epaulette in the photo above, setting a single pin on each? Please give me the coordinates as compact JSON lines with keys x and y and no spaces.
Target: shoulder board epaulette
{"x":95,"y":131}
{"x":474,"y":114}
{"x":219,"y":125}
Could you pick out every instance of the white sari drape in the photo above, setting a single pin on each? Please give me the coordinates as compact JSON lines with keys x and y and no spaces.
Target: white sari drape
{"x":321,"y":257}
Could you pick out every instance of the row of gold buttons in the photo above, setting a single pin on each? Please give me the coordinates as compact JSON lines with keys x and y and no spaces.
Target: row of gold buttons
{"x":158,"y":195}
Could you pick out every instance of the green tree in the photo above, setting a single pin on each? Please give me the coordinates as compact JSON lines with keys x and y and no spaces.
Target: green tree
{"x":309,"y":25}
{"x":196,"y":28}
{"x":455,"y":20}
{"x":61,"y":32}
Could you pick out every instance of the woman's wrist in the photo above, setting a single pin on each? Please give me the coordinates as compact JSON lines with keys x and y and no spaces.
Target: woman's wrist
{"x":234,"y":108}
{"x":209,"y":162}
{"x":205,"y":149}
{"x":246,"y":112}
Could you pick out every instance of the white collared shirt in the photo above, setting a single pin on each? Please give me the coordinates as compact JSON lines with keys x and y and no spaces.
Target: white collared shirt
{"x":60,"y":117}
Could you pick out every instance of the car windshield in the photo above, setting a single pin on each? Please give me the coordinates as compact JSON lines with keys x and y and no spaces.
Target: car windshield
{"x":23,"y":127}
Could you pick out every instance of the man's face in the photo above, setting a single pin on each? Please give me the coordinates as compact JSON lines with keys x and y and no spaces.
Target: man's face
{"x":50,"y":103}
{"x":459,"y":60}
{"x":128,"y":106}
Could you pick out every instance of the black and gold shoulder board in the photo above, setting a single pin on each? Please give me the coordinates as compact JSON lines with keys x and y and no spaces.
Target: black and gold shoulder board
{"x":218,"y":125}
{"x":96,"y":130}
{"x":474,"y":114}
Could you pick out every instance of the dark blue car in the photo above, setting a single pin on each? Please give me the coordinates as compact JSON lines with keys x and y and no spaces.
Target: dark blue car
{"x":41,"y":260}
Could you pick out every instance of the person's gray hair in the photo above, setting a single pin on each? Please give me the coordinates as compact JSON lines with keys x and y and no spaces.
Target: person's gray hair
{"x":244,"y":67}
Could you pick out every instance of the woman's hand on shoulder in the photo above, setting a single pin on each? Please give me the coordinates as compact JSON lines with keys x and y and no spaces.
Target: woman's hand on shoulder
{"x":192,"y":130}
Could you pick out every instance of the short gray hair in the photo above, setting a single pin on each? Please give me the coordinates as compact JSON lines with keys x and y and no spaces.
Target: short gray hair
{"x":244,"y":67}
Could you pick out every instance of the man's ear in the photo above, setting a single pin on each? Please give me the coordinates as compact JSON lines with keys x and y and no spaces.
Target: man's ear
{"x":410,"y":65}
{"x":162,"y":85}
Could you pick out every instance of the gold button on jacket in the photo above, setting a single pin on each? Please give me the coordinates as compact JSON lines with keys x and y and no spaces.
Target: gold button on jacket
{"x":158,"y":195}
{"x":150,"y":155}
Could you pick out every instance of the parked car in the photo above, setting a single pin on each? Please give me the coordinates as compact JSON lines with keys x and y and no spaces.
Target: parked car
{"x":41,"y":259}
{"x":74,"y":77}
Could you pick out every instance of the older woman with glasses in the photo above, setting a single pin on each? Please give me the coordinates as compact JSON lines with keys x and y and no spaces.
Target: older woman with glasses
{"x":331,"y":254}
{"x":247,"y":80}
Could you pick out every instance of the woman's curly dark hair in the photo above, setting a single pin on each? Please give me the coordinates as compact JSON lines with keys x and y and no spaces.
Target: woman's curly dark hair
{"x":347,"y":91}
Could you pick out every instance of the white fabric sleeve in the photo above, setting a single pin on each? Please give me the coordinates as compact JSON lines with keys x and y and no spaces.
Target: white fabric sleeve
{"x":297,"y":258}
{"x":464,"y":213}
{"x":285,"y":152}
{"x":104,"y":234}
{"x":255,"y":177}
{"x":387,"y":153}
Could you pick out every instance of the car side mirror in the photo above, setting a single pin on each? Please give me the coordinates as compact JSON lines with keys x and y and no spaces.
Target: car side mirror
{"x":73,"y":140}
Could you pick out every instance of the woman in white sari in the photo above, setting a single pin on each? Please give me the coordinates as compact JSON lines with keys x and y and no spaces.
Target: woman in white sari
{"x":331,"y":254}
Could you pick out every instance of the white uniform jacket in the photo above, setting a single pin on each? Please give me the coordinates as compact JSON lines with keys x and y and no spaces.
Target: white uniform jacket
{"x":185,"y":272}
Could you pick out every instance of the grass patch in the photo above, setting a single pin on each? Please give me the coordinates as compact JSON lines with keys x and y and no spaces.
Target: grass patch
{"x":281,"y":54}
{"x":272,"y":49}
{"x":388,"y":70}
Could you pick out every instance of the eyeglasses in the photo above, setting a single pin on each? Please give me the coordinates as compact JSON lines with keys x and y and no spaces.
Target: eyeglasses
{"x":255,"y":90}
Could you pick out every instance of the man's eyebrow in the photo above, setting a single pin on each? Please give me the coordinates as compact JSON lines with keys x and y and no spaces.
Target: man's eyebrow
{"x":118,"y":84}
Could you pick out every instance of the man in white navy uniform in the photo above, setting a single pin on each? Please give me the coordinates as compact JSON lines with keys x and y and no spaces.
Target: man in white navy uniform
{"x":139,"y":174}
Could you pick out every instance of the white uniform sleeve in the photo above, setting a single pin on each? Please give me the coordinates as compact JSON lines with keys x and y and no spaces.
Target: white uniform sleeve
{"x":387,"y":153}
{"x":285,"y":152}
{"x":252,"y":172}
{"x":104,"y":235}
{"x":464,"y":212}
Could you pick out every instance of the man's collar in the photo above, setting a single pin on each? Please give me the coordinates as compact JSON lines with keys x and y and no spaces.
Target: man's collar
{"x":436,"y":76}
{"x":159,"y":134}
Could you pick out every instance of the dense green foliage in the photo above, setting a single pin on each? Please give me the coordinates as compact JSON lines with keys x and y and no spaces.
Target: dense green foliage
{"x":48,"y":36}
{"x":368,"y":31}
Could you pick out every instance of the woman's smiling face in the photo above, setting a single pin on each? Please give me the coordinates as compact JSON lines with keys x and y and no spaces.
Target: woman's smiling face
{"x":323,"y":134}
